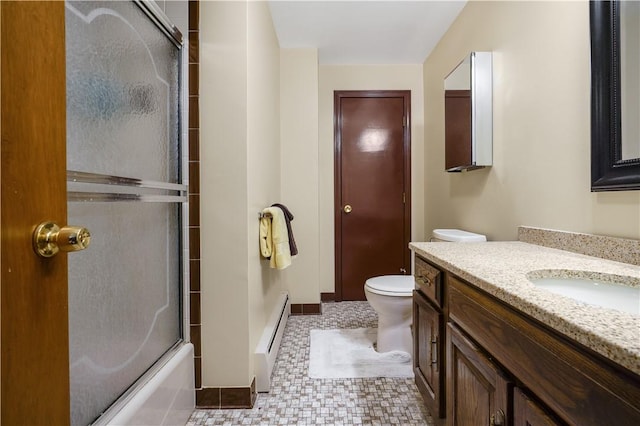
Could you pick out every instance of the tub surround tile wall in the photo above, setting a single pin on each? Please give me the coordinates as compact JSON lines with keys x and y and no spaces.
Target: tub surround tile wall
{"x":618,"y":249}
{"x":501,"y":269}
{"x":194,"y":191}
{"x":227,"y":398}
{"x":208,"y":398}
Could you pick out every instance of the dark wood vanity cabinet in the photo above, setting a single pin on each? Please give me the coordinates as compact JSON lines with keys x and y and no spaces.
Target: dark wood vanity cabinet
{"x":505,"y":368}
{"x":527,"y":412}
{"x":428,"y":353}
{"x":478,"y":391}
{"x":429,"y":281}
{"x":428,"y":337}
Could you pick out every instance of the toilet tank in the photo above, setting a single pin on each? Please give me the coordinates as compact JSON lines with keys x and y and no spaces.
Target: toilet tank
{"x":457,"y":236}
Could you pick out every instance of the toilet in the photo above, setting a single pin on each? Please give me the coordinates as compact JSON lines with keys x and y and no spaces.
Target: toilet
{"x":457,"y":236}
{"x":391,"y":296}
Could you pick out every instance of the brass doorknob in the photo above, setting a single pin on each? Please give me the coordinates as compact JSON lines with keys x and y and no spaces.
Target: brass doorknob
{"x":49,"y":239}
{"x":347,"y":209}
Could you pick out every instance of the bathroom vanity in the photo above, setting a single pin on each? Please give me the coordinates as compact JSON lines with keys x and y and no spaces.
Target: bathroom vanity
{"x":492,"y":348}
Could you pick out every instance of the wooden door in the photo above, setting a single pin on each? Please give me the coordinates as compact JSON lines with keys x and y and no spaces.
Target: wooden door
{"x":428,"y":359}
{"x":372,"y":188}
{"x":35,"y":348}
{"x":478,"y":392}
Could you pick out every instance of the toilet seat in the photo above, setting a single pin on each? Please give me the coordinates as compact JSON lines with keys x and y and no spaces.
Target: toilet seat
{"x":391,"y":285}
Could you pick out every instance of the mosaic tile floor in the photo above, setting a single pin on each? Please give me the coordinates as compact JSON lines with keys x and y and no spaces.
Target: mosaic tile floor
{"x":295,"y":399}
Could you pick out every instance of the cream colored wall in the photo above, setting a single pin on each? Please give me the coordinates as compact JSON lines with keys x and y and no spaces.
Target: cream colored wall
{"x":223,"y":197}
{"x":365,"y":77}
{"x":240,"y":175}
{"x":460,"y":77}
{"x":541,"y":172}
{"x":263,"y":159}
{"x":299,"y":168}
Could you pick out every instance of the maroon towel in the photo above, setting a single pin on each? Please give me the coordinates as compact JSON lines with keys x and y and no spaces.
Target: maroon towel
{"x":288,"y":217}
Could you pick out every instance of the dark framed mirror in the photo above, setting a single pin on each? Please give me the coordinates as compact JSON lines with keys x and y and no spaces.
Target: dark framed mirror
{"x":615,"y":95}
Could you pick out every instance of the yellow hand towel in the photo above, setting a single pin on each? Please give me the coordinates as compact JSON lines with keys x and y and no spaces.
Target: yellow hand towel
{"x":280,"y":252}
{"x":266,"y":242}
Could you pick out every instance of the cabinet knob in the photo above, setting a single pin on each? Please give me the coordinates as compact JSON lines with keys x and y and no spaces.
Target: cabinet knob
{"x":497,"y":418}
{"x":425,"y":280}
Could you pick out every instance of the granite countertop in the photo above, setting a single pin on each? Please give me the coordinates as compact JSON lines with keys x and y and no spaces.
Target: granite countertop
{"x":500,"y":268}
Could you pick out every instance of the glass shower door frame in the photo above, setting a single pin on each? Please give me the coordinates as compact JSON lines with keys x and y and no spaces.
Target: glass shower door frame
{"x":116,"y":190}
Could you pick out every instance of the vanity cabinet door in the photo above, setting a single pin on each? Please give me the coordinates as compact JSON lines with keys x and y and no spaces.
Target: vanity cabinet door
{"x":527,"y":412}
{"x":478,"y":392}
{"x":428,"y":355}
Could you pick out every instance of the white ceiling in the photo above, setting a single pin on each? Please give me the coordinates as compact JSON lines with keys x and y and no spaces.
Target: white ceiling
{"x":365,"y":31}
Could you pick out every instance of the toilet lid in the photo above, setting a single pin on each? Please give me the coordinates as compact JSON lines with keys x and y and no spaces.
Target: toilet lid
{"x":400,"y":285}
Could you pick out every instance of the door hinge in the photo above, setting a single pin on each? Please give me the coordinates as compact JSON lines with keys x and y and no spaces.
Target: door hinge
{"x":405,"y":121}
{"x":404,"y":198}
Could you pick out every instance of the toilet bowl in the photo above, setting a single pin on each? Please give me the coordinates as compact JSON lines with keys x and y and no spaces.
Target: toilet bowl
{"x":391,"y":297}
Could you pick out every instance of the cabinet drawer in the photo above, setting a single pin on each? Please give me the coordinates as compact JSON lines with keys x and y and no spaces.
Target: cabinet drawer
{"x":428,"y":280}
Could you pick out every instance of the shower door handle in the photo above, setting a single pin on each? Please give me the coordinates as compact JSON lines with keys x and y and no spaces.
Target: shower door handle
{"x":49,"y":239}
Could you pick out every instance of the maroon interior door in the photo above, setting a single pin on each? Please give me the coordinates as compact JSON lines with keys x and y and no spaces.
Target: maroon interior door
{"x":372,"y":187}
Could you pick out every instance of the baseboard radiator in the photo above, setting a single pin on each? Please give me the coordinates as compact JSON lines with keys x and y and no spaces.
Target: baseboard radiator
{"x":267,"y":349}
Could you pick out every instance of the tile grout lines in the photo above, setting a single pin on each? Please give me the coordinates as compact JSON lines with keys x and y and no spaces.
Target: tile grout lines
{"x":296,"y":399}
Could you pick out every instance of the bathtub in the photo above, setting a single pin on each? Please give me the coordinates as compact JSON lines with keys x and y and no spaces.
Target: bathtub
{"x":165,"y":396}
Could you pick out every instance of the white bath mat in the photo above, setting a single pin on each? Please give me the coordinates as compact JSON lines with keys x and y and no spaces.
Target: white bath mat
{"x":349,"y":353}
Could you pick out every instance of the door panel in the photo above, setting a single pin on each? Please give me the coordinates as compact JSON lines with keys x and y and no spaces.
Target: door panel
{"x":124,"y":185}
{"x":35,"y":352}
{"x":527,"y":412}
{"x":428,"y":350}
{"x":36,"y":304}
{"x":479,"y":392}
{"x":372,"y":178}
{"x":122,"y":92}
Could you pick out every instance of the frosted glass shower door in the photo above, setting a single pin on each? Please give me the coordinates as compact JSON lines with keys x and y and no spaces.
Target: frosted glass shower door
{"x":124,"y":184}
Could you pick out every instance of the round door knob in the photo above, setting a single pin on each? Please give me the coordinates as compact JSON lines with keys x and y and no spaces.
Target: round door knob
{"x":347,"y":209}
{"x":49,"y":239}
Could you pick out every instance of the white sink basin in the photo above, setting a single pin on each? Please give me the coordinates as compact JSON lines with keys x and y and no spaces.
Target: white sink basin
{"x":594,"y":292}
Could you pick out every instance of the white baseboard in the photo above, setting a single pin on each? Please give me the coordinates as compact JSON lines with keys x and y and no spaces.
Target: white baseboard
{"x":267,"y":349}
